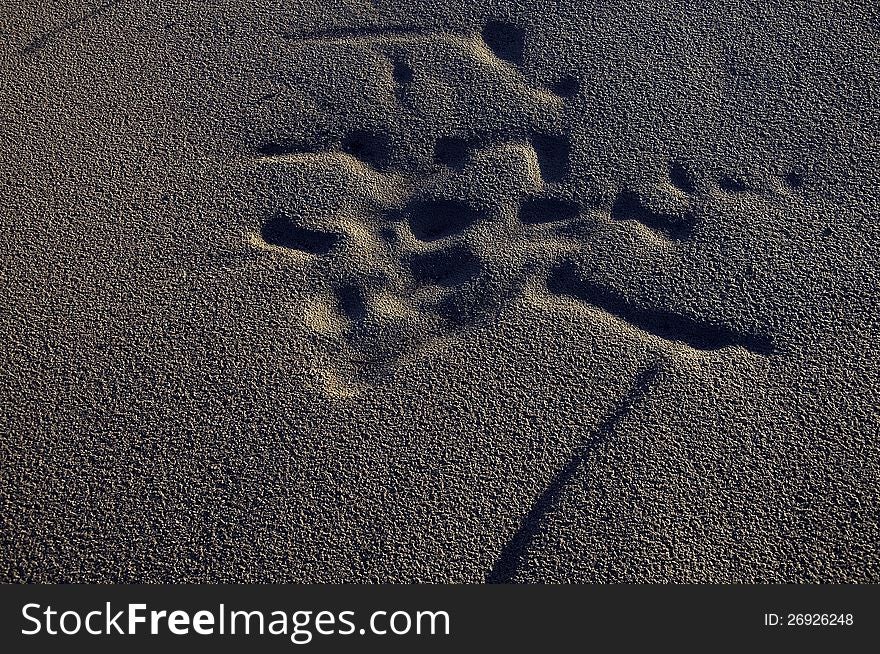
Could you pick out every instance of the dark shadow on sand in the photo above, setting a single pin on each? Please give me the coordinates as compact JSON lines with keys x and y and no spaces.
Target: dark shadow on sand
{"x":667,"y":325}
{"x":280,"y":230}
{"x":630,"y":206}
{"x":41,"y":41}
{"x":511,"y":558}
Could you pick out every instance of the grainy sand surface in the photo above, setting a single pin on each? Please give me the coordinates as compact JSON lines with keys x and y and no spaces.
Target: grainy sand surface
{"x":439,"y":292}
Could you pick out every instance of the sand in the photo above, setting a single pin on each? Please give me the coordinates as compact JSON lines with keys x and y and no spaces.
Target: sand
{"x":444,"y":292}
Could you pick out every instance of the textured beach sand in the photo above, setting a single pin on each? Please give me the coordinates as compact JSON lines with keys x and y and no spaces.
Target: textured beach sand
{"x":382,"y":291}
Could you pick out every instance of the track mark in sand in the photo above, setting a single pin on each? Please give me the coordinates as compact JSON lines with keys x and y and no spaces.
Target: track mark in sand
{"x":402,"y":73}
{"x":794,"y":179}
{"x":430,"y":220}
{"x":352,"y":301}
{"x":450,"y":267}
{"x":629,"y":205}
{"x":546,"y":210}
{"x":664,"y":324}
{"x":370,"y":32}
{"x":681,"y":178}
{"x":566,"y":86}
{"x":512,"y":557}
{"x":731,"y":184}
{"x":282,"y":232}
{"x":554,"y":154}
{"x":43,"y":40}
{"x":371,"y":148}
{"x":453,"y":151}
{"x":506,"y":41}
{"x":414,"y":263}
{"x":474,"y":303}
